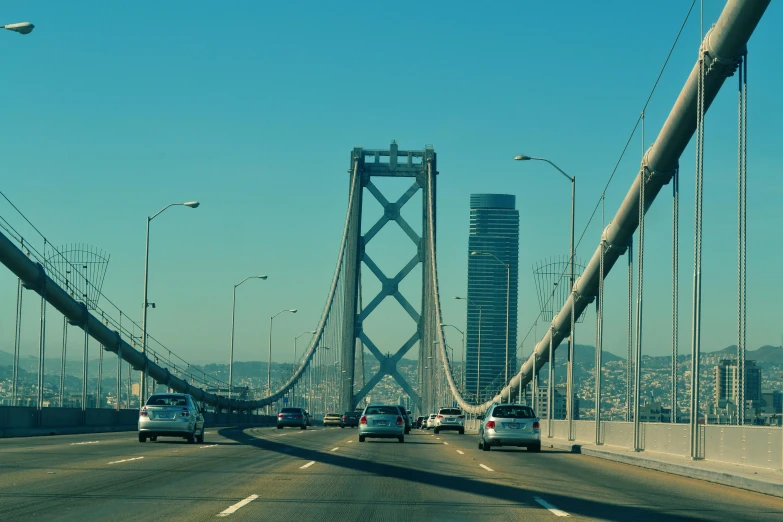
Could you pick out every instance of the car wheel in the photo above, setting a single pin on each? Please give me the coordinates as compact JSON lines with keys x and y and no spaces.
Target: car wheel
{"x":462,"y":431}
{"x":480,"y":445}
{"x":153,"y":439}
{"x":401,"y":438}
{"x":279,"y":427}
{"x":361,"y":438}
{"x":200,"y":437}
{"x":535,"y":449}
{"x":436,"y":430}
{"x":485,"y":446}
{"x":304,"y":427}
{"x":142,"y":437}
{"x":191,"y":438}
{"x":341,"y":426}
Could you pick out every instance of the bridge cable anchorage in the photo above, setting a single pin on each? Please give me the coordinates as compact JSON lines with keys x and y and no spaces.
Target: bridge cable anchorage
{"x":741,"y":236}
{"x":695,"y":450}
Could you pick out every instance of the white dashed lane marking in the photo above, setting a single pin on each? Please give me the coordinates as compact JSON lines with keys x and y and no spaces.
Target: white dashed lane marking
{"x":80,"y":443}
{"x":308,"y":465}
{"x":226,"y":512}
{"x":210,"y":446}
{"x":486,"y":467}
{"x":550,"y":507}
{"x":125,"y":460}
{"x":334,"y":449}
{"x":460,"y":452}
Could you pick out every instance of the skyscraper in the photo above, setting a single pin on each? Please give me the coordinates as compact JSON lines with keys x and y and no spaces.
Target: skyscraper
{"x":727,"y":378}
{"x":494,"y":232}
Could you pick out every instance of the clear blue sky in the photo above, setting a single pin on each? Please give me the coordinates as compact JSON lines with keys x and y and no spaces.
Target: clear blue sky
{"x":111,"y":111}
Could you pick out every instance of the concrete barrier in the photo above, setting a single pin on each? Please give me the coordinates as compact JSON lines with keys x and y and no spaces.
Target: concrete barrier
{"x":22,"y":421}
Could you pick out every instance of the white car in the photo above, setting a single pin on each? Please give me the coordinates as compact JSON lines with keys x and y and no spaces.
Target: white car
{"x":431,"y":421}
{"x":171,"y":415}
{"x":450,"y":419}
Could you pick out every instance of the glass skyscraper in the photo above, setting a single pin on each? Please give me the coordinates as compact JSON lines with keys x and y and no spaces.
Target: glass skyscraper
{"x":494,"y":229}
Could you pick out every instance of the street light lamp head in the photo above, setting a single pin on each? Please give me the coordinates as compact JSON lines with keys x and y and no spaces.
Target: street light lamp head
{"x":261,"y":277}
{"x":21,"y":27}
{"x":292,"y":310}
{"x":192,"y":204}
{"x":522,"y":157}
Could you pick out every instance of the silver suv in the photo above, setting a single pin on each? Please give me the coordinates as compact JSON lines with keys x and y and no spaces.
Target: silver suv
{"x":450,"y":419}
{"x":171,"y":415}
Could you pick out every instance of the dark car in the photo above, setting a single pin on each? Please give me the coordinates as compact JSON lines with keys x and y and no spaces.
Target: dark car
{"x":350,"y":419}
{"x":419,"y":421}
{"x":406,"y":416}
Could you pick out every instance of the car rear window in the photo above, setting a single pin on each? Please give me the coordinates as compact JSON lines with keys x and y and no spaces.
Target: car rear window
{"x":513,"y":412}
{"x":382,"y":410}
{"x":167,"y":400}
{"x":290,"y":410}
{"x":450,"y":411}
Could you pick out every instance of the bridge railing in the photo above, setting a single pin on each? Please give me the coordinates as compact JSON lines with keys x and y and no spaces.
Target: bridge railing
{"x":754,"y":446}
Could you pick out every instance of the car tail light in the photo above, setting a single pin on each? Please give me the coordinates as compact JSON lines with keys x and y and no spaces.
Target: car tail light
{"x":536,"y":426}
{"x":491,"y":425}
{"x":399,"y":419}
{"x":344,"y":418}
{"x":143,"y":412}
{"x":363,"y":420}
{"x":279,"y":415}
{"x":185,"y":413}
{"x":440,"y":416}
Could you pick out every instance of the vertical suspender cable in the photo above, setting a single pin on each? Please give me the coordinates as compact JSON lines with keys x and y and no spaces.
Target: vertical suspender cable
{"x":62,"y":361}
{"x":629,"y":360}
{"x":697,"y":225}
{"x":741,"y":238}
{"x":17,"y":343}
{"x":599,"y":331}
{"x":675,"y":290}
{"x":639,"y":301}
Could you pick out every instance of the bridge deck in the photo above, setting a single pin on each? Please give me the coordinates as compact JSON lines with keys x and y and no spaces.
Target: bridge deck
{"x":430,"y":477}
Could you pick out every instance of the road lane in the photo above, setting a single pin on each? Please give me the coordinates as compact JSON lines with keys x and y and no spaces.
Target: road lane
{"x":285,"y":470}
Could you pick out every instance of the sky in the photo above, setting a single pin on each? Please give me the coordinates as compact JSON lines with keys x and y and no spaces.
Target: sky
{"x":111,"y":111}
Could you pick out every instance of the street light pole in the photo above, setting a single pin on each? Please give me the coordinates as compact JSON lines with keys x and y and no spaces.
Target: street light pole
{"x":269,"y":367}
{"x":293,"y":394}
{"x":231,"y":351}
{"x":462,"y":371}
{"x":143,"y":380}
{"x":478,"y":354}
{"x":571,"y":337}
{"x":508,"y":294}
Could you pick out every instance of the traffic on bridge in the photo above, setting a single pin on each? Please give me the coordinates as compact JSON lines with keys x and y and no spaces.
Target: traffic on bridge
{"x":439,"y":379}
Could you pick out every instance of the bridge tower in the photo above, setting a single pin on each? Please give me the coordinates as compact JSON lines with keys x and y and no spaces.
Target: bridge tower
{"x":367,"y":164}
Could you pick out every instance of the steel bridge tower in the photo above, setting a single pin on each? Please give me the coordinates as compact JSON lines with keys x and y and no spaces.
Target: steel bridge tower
{"x":365,"y":165}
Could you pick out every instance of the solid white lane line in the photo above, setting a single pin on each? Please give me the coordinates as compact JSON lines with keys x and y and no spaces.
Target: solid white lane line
{"x":349,"y":441}
{"x":126,"y":460}
{"x":80,"y":443}
{"x":226,"y":512}
{"x":210,"y":446}
{"x":460,"y":452}
{"x":446,"y":443}
{"x":550,"y":507}
{"x":334,"y":449}
{"x":308,"y":465}
{"x":486,"y":467}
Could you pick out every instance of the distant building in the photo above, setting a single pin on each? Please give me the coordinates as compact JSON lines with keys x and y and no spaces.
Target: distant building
{"x":727,"y":378}
{"x":772,"y":402}
{"x":494,"y":230}
{"x":559,"y":403}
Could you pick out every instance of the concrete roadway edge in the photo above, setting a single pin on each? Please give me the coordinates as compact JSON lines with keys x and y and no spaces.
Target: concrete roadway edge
{"x":726,"y":479}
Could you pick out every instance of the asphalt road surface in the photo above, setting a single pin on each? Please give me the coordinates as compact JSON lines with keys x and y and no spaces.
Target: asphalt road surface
{"x":326,"y":474}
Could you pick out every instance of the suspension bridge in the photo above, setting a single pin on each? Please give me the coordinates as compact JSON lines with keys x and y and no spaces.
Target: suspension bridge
{"x":328,"y":377}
